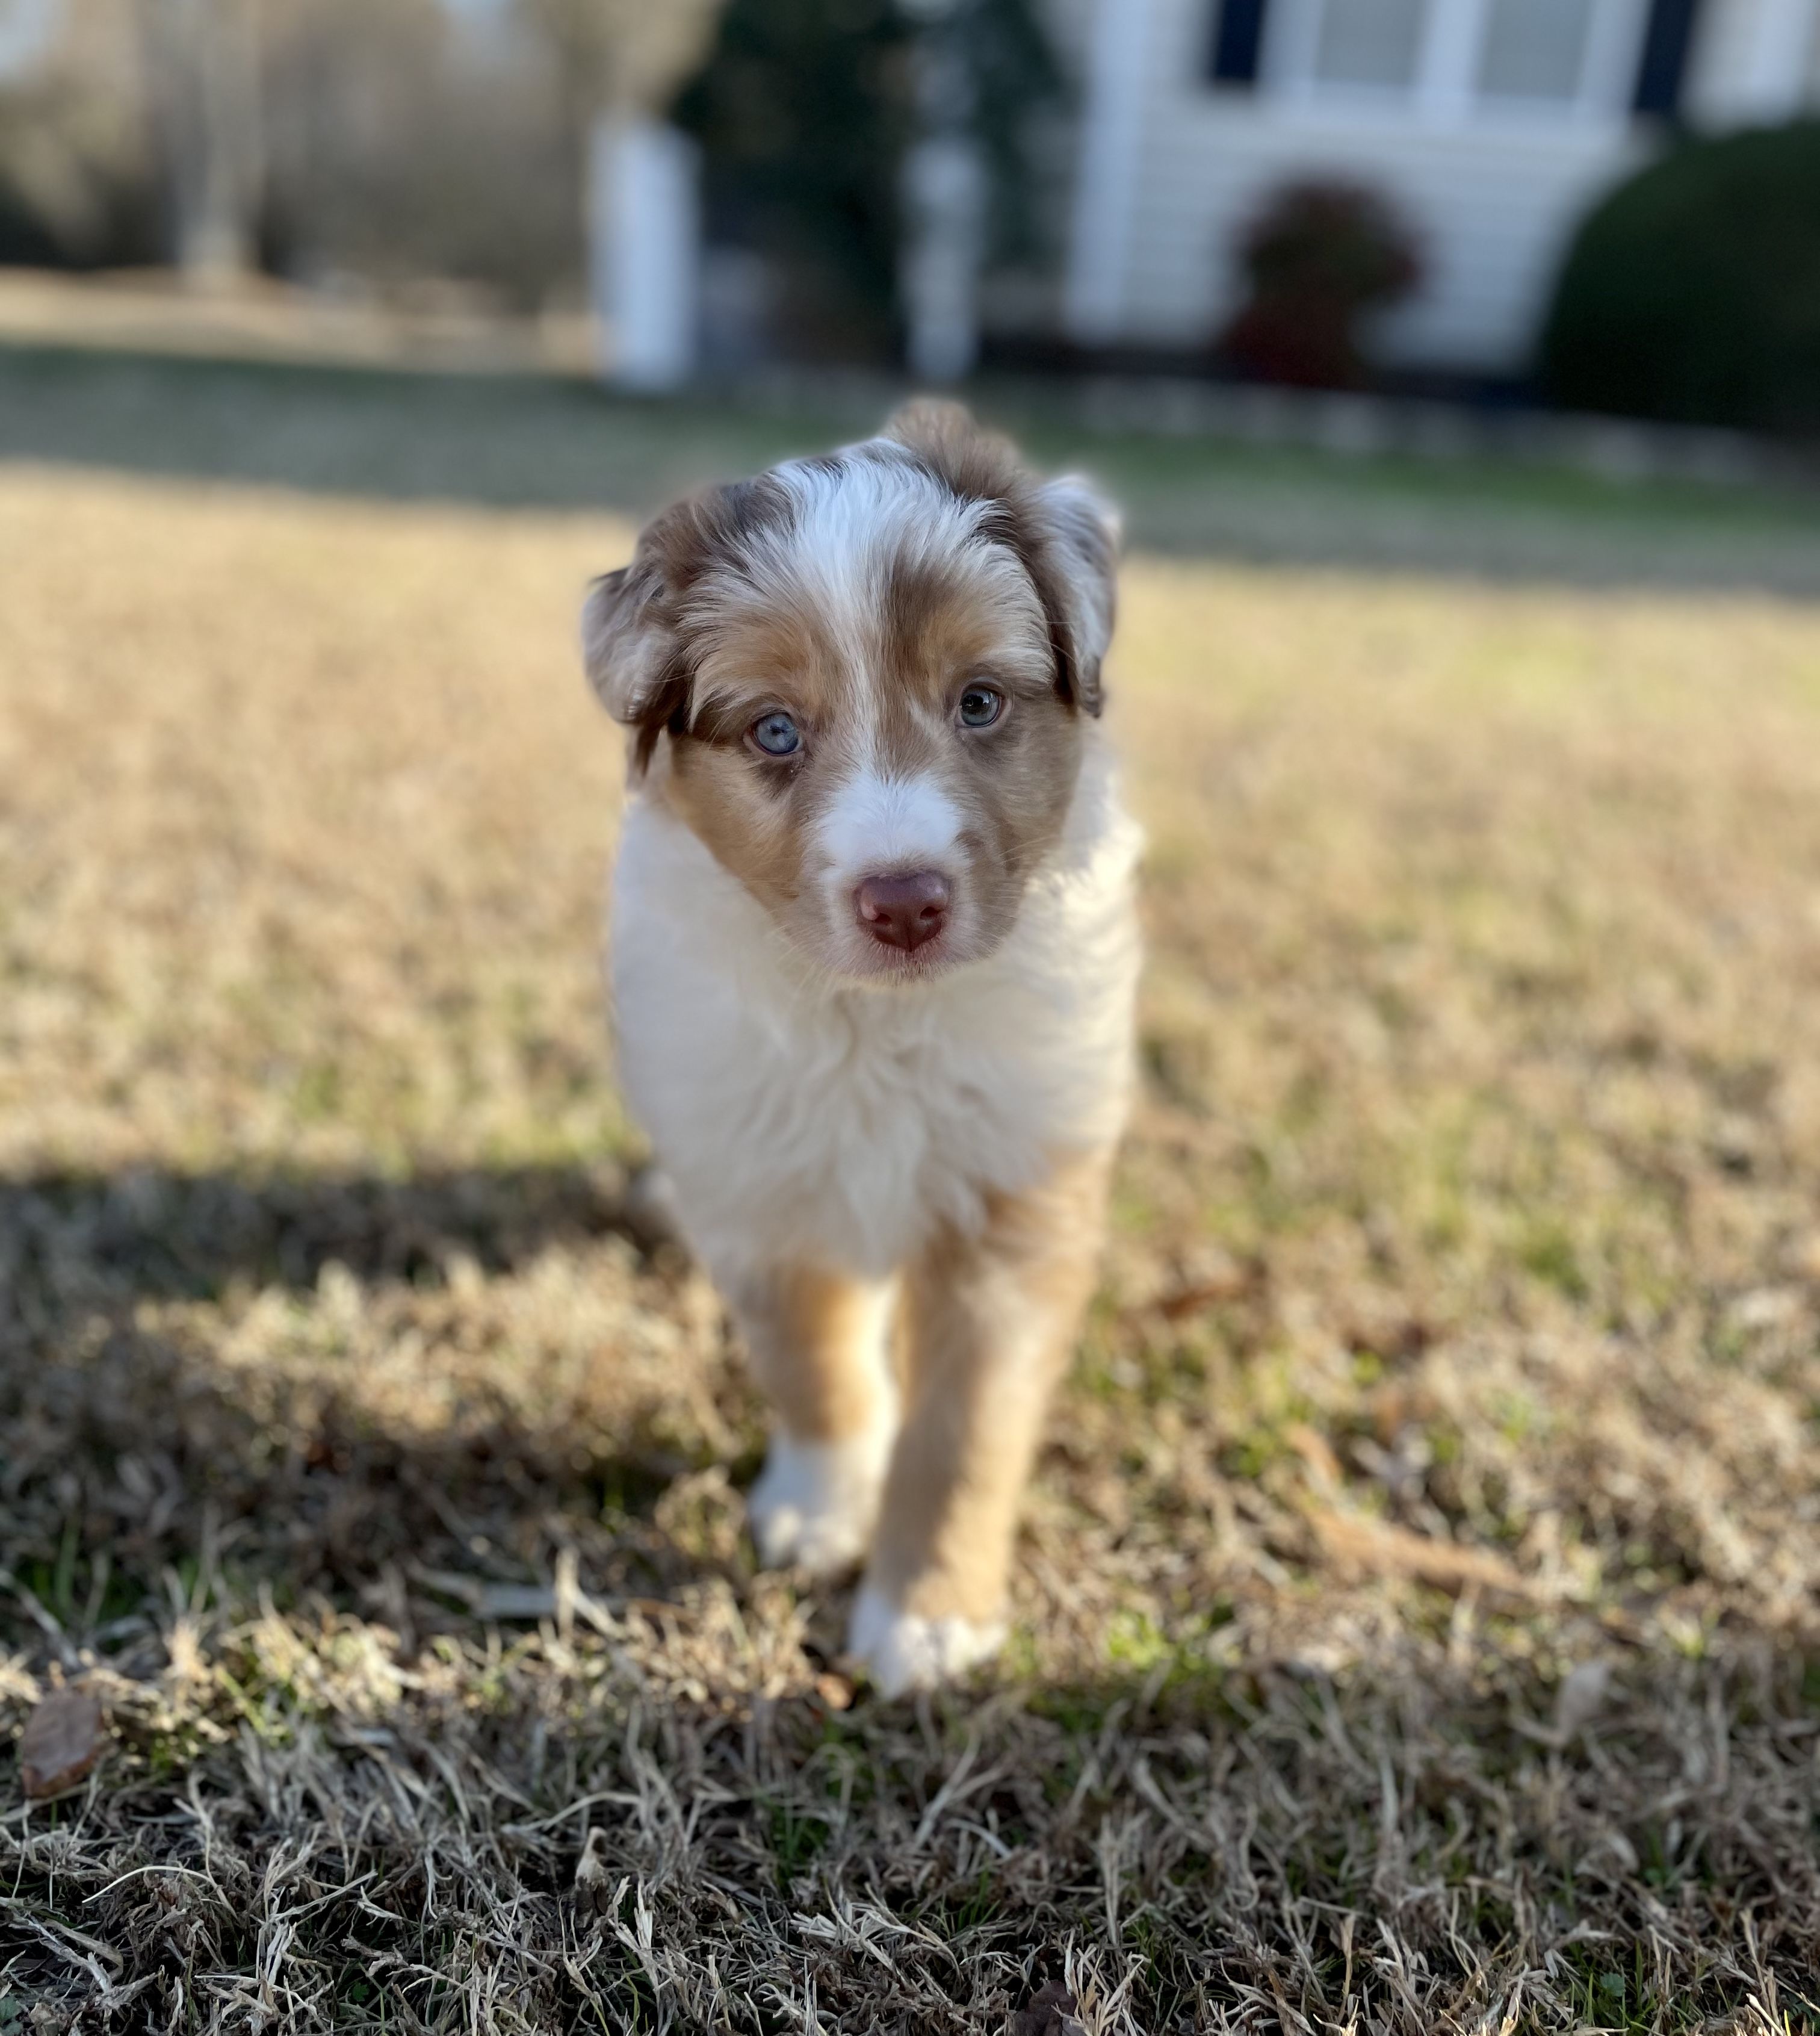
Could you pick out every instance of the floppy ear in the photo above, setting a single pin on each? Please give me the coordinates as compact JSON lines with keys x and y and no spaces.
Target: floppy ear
{"x":626,"y":641}
{"x":631,"y":647}
{"x":632,"y":638}
{"x":1080,"y":533}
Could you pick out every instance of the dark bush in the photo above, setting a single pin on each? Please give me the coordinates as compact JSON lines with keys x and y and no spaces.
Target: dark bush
{"x":1693,"y":292}
{"x":1317,"y":258}
{"x":805,"y":109}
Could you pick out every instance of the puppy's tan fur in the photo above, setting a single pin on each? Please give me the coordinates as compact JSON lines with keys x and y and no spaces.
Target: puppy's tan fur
{"x":989,"y":1318}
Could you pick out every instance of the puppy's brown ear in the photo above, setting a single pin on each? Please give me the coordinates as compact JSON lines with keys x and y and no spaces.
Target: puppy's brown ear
{"x":634,"y":623}
{"x":631,"y":646}
{"x":627,"y":644}
{"x":1078,"y":533}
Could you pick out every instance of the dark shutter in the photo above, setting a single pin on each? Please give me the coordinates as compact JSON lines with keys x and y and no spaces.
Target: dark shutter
{"x":1664,"y":67}
{"x":1238,"y":39}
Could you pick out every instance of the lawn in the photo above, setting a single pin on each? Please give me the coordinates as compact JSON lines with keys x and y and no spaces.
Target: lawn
{"x":1418,"y":1619}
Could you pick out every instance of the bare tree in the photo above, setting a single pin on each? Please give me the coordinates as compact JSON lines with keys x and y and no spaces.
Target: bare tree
{"x":205,"y":70}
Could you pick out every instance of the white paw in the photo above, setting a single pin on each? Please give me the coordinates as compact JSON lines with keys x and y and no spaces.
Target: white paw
{"x":814,"y":1503}
{"x":902,"y":1652}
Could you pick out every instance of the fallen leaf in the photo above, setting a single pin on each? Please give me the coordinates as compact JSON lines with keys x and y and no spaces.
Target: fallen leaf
{"x":1375,"y":1548}
{"x":62,"y":1739}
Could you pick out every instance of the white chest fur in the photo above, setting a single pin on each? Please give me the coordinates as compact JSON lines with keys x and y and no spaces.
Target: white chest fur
{"x":804,"y":1118}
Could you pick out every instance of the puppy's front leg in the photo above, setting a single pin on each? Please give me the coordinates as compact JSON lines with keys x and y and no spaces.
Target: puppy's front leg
{"x":990,"y":1321}
{"x":820,"y":1345}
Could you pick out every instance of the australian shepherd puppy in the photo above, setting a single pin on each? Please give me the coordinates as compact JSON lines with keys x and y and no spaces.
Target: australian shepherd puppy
{"x":874,"y":953}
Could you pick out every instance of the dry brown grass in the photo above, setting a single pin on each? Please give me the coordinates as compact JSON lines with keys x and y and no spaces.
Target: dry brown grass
{"x":1418,"y":1627}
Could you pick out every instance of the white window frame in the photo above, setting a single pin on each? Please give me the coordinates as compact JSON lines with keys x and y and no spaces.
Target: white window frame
{"x":1444,"y":90}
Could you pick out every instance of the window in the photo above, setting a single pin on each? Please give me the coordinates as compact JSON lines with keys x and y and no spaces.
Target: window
{"x":1370,"y":43}
{"x":1441,"y":61}
{"x":1237,"y":40}
{"x":1535,"y":49}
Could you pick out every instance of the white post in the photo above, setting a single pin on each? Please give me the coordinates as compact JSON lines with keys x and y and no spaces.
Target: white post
{"x":945,"y":197}
{"x":1110,"y":163}
{"x":644,"y":252}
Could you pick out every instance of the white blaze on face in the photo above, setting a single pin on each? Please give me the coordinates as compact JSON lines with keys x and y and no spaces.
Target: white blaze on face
{"x":855,"y":525}
{"x":881,"y":826}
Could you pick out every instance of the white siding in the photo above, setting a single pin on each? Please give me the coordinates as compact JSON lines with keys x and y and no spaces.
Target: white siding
{"x":1493,"y":201}
{"x":1109,"y":202}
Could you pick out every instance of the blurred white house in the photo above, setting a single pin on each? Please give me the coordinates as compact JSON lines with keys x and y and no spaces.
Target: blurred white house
{"x":1491,"y":124}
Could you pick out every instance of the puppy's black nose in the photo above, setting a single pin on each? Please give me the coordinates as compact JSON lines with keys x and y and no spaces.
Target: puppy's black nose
{"x":903,"y":911}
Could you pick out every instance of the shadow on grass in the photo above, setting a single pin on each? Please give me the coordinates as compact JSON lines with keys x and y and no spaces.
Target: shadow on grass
{"x":382,"y":1412}
{"x":70,"y":1238}
{"x":400,"y":1795}
{"x":526,"y":441}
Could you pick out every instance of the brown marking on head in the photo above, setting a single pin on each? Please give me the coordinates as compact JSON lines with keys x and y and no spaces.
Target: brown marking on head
{"x":1065,"y":537}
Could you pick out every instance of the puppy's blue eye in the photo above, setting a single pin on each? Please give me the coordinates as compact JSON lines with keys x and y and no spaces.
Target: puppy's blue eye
{"x":980,"y":706}
{"x":777,"y":735}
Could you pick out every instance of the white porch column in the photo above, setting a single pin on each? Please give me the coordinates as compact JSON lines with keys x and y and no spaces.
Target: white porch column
{"x":644,"y":233}
{"x":1110,"y":162}
{"x":945,"y":196}
{"x":1753,"y":61}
